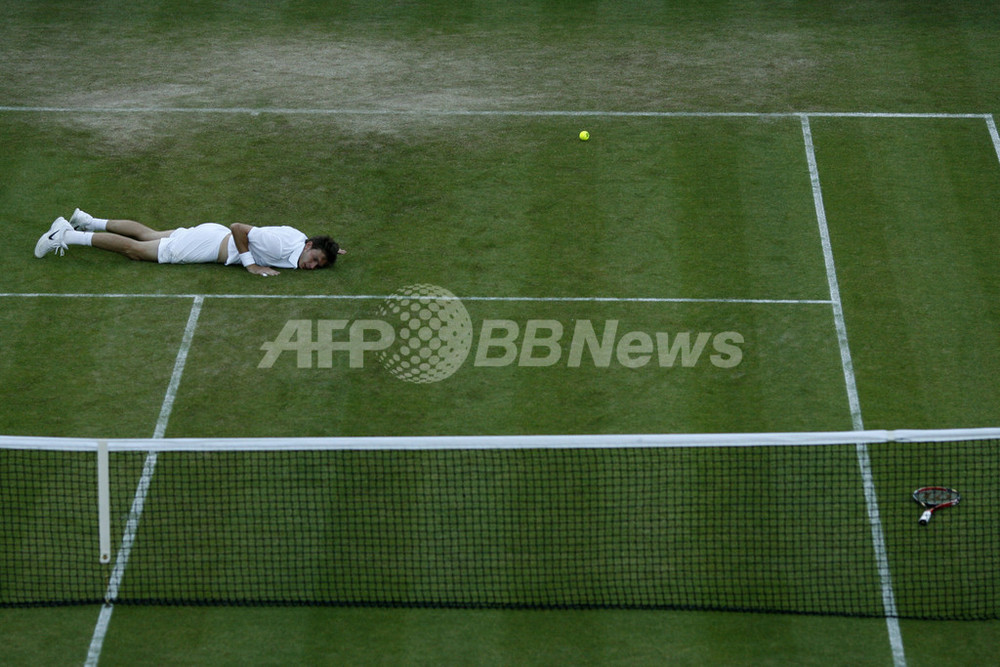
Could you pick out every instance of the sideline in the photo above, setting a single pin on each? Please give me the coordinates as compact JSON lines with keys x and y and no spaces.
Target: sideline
{"x":139,"y":500}
{"x":864,"y":463}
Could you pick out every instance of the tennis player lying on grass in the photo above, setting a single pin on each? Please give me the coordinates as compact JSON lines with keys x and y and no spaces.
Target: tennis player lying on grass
{"x":262,"y":250}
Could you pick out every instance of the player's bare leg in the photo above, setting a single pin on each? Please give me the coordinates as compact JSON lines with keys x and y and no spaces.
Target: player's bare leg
{"x":130,"y":247}
{"x":125,"y":237}
{"x":136,"y":230}
{"x":83,"y":221}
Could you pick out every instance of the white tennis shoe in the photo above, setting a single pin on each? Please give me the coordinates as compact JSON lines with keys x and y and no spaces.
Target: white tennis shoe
{"x":82,"y":221}
{"x":52,"y":240}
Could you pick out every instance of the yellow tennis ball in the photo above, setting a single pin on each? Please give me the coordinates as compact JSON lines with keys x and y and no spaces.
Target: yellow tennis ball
{"x":584,"y":135}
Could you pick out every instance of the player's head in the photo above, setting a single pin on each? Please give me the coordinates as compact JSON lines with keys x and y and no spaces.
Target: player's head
{"x":320,"y":252}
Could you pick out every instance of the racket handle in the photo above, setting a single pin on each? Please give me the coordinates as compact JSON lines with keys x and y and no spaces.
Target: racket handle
{"x":925,"y":517}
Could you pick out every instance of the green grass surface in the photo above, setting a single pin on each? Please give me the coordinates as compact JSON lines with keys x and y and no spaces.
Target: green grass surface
{"x":505,"y":206}
{"x":913,"y":205}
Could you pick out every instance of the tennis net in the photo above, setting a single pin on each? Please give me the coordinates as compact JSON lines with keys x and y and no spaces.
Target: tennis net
{"x":820,"y":523}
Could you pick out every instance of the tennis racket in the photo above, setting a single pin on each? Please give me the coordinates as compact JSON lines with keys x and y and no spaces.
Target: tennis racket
{"x":933,"y":498}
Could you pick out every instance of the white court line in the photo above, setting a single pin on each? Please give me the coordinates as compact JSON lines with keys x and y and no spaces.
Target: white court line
{"x":992,"y":127}
{"x":383,"y":297}
{"x":831,"y":277}
{"x":483,"y":112}
{"x":864,"y":462}
{"x":179,"y":363}
{"x":139,"y":500}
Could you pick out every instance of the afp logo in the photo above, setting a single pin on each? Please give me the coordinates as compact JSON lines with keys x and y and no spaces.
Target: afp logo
{"x":423,"y":333}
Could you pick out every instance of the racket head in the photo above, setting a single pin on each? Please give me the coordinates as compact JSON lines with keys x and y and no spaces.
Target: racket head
{"x":936,"y":496}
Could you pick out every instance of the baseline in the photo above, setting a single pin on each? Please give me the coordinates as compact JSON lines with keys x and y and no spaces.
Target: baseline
{"x":484,"y":112}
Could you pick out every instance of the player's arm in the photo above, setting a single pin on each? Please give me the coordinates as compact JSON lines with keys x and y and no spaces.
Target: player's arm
{"x":241,"y":237}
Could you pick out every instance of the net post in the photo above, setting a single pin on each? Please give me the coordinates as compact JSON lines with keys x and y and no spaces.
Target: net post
{"x":103,"y":502}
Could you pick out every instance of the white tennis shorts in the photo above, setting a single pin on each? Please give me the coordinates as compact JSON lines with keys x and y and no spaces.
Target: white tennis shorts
{"x":192,"y":245}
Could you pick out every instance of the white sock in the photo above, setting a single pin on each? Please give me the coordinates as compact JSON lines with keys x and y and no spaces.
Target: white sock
{"x":90,"y":222}
{"x":73,"y":237}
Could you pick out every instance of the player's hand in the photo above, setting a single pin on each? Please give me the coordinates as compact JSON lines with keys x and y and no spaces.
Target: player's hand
{"x":265,"y":271}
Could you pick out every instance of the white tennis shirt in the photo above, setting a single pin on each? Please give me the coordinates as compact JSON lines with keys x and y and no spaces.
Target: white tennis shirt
{"x":278,"y":247}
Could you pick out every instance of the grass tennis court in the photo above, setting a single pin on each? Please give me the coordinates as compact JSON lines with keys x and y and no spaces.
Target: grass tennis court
{"x":437,"y":142}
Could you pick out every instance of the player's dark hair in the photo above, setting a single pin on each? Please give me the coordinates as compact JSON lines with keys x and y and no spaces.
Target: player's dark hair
{"x":328,"y":246}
